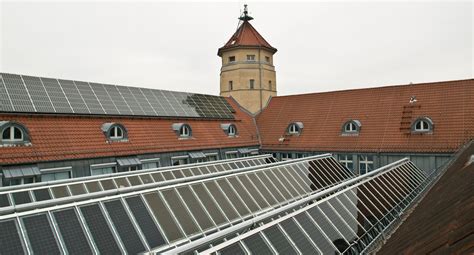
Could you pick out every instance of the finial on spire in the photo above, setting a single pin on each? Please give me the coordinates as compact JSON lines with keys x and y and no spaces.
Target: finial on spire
{"x":245,"y":16}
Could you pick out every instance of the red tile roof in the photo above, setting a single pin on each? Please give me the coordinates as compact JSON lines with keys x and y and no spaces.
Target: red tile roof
{"x":246,"y":36}
{"x":381,"y":112}
{"x":55,"y":137}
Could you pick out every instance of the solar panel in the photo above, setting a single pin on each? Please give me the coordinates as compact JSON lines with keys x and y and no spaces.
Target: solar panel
{"x":22,"y":197}
{"x":40,"y":235}
{"x":145,"y":222}
{"x":17,"y":93}
{"x":44,"y":95}
{"x":71,"y":232}
{"x":99,"y":229}
{"x":41,"y":194}
{"x":125,"y":229}
{"x":257,"y":245}
{"x":4,"y":200}
{"x":10,"y":240}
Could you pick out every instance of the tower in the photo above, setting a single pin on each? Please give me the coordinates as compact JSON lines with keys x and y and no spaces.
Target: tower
{"x":247,"y":72}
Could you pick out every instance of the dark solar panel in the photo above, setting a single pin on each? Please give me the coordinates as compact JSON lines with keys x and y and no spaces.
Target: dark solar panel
{"x":73,"y":96}
{"x":36,"y":94}
{"x":257,"y":245}
{"x":315,"y":234}
{"x":40,"y":235}
{"x":209,"y":204}
{"x":72,"y":233}
{"x":195,"y":208}
{"x":77,"y":189}
{"x":180,"y":212}
{"x":10,"y":240}
{"x":281,"y":244}
{"x":296,"y":234}
{"x":4,"y":200}
{"x":60,"y":191}
{"x":56,"y":94}
{"x":18,"y":94}
{"x":100,"y":230}
{"x":5,"y":103}
{"x":124,"y":226}
{"x":145,"y":222}
{"x":22,"y":197}
{"x":42,"y":194}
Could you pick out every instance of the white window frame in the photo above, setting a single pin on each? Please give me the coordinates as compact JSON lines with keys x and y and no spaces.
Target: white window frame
{"x":150,"y":161}
{"x":179,"y":158}
{"x":185,"y":131}
{"x":424,"y":126}
{"x":350,"y":127}
{"x":232,"y":61}
{"x":286,"y":156}
{"x":346,"y":159}
{"x":67,"y":169}
{"x":114,"y":130}
{"x":364,"y":160}
{"x":113,"y":165}
{"x":12,"y":138}
{"x":232,"y":131}
{"x":227,"y":153}
{"x":214,"y":154}
{"x":293,"y":129}
{"x":251,"y":57}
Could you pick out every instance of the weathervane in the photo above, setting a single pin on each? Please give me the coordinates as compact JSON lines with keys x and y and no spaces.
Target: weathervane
{"x":245,"y":16}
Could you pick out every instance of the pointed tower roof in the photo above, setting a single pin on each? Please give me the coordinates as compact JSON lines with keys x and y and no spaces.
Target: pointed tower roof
{"x":246,"y":36}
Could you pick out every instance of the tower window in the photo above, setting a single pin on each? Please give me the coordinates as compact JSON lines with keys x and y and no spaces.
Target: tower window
{"x":231,"y":59}
{"x":231,"y":85}
{"x":252,"y":83}
{"x":270,"y":85}
{"x":250,"y":57}
{"x":267,"y":59}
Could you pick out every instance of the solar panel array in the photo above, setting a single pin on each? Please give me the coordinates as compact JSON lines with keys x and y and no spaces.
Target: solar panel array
{"x":163,"y":217}
{"x":346,"y":222}
{"x":21,"y":93}
{"x":81,"y":187}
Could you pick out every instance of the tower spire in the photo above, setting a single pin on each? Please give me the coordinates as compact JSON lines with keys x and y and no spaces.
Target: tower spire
{"x":245,"y":16}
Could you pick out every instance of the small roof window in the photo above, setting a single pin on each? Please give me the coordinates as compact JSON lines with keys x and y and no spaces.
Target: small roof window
{"x":13,"y":133}
{"x":229,"y":129}
{"x":422,"y":125}
{"x":351,"y":127}
{"x":115,"y":132}
{"x":183,"y":130}
{"x":295,"y":128}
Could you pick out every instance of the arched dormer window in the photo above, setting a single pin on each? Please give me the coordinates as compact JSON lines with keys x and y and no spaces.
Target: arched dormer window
{"x":13,"y":133}
{"x":422,"y":125}
{"x":295,"y":128}
{"x":115,"y":132}
{"x":229,"y":129}
{"x":182,"y":130}
{"x":351,"y":127}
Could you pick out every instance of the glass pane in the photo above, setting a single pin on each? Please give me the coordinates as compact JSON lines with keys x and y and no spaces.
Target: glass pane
{"x":168,"y":175}
{"x":233,"y":249}
{"x":134,"y":180}
{"x":121,"y":182}
{"x":77,"y":189}
{"x":11,"y":241}
{"x":22,"y":197}
{"x":99,"y":229}
{"x":4,"y":200}
{"x":108,"y":184}
{"x":279,"y":241}
{"x":41,"y":194}
{"x":280,"y":187}
{"x":324,"y":245}
{"x":71,"y":231}
{"x":180,"y":212}
{"x":209,"y":204}
{"x":294,"y":183}
{"x":260,"y":186}
{"x":288,"y":184}
{"x":93,"y":187}
{"x":146,"y":178}
{"x":296,"y":234}
{"x":158,"y":177}
{"x":145,"y":222}
{"x":233,"y":197}
{"x":253,"y":191}
{"x":222,"y":201}
{"x":246,"y":197}
{"x":268,"y":184}
{"x":178,"y":174}
{"x":124,"y":227}
{"x":257,"y":245}
{"x":60,"y":191}
{"x":195,"y":207}
{"x":40,"y":235}
{"x":195,"y":171}
{"x":163,"y":216}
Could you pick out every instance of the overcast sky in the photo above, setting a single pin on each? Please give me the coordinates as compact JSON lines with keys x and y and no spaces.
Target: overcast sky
{"x":322,"y":46}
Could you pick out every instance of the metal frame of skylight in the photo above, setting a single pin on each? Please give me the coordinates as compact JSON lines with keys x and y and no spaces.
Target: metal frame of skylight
{"x":326,"y":195}
{"x":151,"y":176}
{"x":141,"y":193}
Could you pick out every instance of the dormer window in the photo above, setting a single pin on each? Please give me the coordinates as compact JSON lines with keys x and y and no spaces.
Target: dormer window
{"x":115,"y":132}
{"x":231,"y":59}
{"x":351,"y":127}
{"x":295,"y":128}
{"x":250,"y":57}
{"x":182,"y":130}
{"x":229,"y":129}
{"x":422,"y":125}
{"x":13,"y":133}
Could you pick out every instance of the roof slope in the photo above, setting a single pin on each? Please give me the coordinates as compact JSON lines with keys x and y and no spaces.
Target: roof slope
{"x":450,"y":105}
{"x":55,"y":137}
{"x":446,"y":213}
{"x":247,"y":36}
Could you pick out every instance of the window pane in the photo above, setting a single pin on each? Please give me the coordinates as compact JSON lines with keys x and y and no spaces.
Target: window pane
{"x":77,"y":189}
{"x":108,"y":184}
{"x":18,"y":134}
{"x":71,"y":231}
{"x":222,"y":201}
{"x":60,"y":191}
{"x":253,"y":191}
{"x":40,"y":235}
{"x":209,"y":204}
{"x":93,"y":187}
{"x":163,"y":216}
{"x":195,"y":208}
{"x":233,"y":197}
{"x":6,"y":134}
{"x":11,"y":241}
{"x":180,"y":212}
{"x":246,"y":197}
